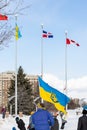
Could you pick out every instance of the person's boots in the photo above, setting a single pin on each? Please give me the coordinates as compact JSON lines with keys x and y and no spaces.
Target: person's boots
{"x":63,"y":124}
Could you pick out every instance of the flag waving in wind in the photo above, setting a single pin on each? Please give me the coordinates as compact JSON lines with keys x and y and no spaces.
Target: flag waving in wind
{"x":17,"y":32}
{"x":47,"y":34}
{"x":68,"y":41}
{"x":3,"y":17}
{"x":53,"y":96}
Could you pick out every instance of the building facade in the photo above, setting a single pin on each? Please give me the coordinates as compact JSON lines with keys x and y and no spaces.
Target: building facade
{"x":5,"y":78}
{"x":5,"y":82}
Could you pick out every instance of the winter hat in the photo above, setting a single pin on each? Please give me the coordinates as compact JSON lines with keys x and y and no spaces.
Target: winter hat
{"x":84,"y":111}
{"x":32,"y":113}
{"x":41,"y":105}
{"x":17,"y":118}
{"x":13,"y":128}
{"x":85,"y":107}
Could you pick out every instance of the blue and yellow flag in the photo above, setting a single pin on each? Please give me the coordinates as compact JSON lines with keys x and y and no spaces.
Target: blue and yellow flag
{"x":17,"y":32}
{"x":53,"y":96}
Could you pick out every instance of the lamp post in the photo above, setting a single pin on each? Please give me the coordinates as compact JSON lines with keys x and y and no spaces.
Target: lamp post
{"x":66,"y":66}
{"x":34,"y":102}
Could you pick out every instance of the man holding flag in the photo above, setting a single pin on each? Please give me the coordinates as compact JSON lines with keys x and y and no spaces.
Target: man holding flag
{"x":42,"y":119}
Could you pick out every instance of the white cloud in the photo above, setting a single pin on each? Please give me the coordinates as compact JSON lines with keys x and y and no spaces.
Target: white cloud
{"x":54,"y":81}
{"x":77,"y":88}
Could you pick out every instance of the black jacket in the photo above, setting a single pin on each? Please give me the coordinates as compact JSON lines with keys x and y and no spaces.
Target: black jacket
{"x":56,"y":124}
{"x":21,"y":124}
{"x":82,"y":123}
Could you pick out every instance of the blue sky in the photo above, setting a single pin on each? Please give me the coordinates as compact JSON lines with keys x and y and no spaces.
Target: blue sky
{"x":57,"y":16}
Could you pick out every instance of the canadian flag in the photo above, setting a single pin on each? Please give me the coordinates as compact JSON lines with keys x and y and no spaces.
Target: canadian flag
{"x":69,"y":41}
{"x":3,"y":17}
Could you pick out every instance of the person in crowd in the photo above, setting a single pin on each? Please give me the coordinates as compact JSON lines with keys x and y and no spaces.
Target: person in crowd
{"x":3,"y":111}
{"x":20,"y":123}
{"x":42,"y":119}
{"x":63,"y":120}
{"x":56,"y":122}
{"x":31,"y":125}
{"x":82,"y":121}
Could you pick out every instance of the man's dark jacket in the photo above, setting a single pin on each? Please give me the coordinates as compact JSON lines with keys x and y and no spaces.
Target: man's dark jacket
{"x":82,"y":123}
{"x":21,"y":124}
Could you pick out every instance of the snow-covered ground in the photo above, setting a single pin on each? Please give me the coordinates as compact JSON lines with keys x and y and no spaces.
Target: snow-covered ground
{"x":9,"y":122}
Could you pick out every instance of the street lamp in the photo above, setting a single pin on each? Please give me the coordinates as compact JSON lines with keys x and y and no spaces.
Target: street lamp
{"x":34,"y":102}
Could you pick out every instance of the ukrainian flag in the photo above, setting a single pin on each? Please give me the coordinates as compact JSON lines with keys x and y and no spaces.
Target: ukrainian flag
{"x":17,"y":32}
{"x":53,"y":96}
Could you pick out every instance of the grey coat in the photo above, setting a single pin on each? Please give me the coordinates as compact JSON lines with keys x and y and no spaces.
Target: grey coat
{"x":56,"y":124}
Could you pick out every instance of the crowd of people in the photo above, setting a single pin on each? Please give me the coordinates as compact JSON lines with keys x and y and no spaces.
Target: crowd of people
{"x":44,"y":120}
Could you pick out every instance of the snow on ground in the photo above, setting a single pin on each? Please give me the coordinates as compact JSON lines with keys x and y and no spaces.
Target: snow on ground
{"x":9,"y":122}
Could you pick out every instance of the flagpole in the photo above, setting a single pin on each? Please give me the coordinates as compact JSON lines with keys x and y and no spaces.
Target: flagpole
{"x":42,"y":55}
{"x":65,"y":89}
{"x":15,"y":72}
{"x":42,"y":52}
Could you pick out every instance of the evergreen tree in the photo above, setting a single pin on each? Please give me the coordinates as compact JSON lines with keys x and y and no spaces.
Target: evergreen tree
{"x":24,"y":92}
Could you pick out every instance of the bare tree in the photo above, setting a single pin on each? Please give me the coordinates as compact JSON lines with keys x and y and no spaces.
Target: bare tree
{"x":9,"y":8}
